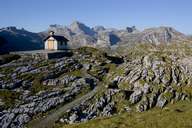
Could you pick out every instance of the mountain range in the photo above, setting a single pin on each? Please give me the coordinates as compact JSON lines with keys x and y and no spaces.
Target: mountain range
{"x":13,"y":39}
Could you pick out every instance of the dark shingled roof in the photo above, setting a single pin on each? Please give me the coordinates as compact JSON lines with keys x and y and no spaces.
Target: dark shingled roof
{"x":58,"y":38}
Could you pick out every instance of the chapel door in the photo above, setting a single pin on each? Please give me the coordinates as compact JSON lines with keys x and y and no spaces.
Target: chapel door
{"x":50,"y":44}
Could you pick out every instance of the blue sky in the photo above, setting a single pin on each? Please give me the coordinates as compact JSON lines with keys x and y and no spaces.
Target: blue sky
{"x":37,"y":15}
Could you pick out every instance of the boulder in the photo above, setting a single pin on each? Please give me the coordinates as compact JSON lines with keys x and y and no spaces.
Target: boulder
{"x":73,"y":118}
{"x":1,"y":75}
{"x":161,"y":101}
{"x":101,"y":103}
{"x":20,"y":120}
{"x":153,"y":99}
{"x":26,"y":84}
{"x":143,"y":105}
{"x":135,"y":75}
{"x":127,"y":109}
{"x":146,"y":88}
{"x":147,"y":61}
{"x":12,"y":85}
{"x":23,"y":69}
{"x":136,"y":96}
{"x":6,"y":120}
{"x":87,"y":66}
{"x":108,"y":109}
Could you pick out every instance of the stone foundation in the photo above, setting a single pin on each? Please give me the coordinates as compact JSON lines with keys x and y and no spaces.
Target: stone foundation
{"x":45,"y":54}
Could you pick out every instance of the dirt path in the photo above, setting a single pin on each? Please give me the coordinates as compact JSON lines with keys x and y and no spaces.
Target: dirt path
{"x":49,"y":120}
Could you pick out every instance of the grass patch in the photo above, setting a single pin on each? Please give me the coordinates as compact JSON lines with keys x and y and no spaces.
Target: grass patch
{"x":8,"y":58}
{"x":7,"y":70}
{"x":92,"y":52}
{"x":168,"y":96}
{"x":8,"y":98}
{"x":76,"y":73}
{"x":37,"y":85}
{"x":27,"y":76}
{"x":124,"y":85}
{"x":121,"y":101}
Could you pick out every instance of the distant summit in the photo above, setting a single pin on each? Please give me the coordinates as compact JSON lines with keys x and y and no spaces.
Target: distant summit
{"x":80,"y":28}
{"x":164,"y":35}
{"x":98,"y":28}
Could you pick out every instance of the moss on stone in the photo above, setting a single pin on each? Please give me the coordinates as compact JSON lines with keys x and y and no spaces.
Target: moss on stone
{"x":168,"y":96}
{"x":9,"y":98}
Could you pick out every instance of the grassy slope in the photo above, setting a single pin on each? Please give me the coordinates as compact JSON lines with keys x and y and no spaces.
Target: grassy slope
{"x":177,"y":115}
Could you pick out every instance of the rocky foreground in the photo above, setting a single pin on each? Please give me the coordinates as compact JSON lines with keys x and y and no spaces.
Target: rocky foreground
{"x":135,"y":81}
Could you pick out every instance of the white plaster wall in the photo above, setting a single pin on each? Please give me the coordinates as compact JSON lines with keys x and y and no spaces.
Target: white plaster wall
{"x":45,"y":45}
{"x":55,"y":45}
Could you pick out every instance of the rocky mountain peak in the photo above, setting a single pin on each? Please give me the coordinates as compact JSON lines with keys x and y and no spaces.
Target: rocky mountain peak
{"x":99,"y":28}
{"x":14,"y":30}
{"x":80,"y":28}
{"x":56,"y":26}
{"x":162,"y":35}
{"x":76,"y":23}
{"x":131,"y":29}
{"x":161,"y":29}
{"x":11,"y":28}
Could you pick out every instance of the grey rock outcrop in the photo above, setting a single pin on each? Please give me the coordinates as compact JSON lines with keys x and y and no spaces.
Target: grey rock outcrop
{"x":86,"y":111}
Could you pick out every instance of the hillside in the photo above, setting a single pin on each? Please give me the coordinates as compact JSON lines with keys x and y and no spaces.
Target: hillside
{"x":94,"y":84}
{"x":19,"y":39}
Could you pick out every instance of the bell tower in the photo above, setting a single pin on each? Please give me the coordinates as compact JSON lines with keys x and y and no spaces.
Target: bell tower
{"x":51,"y":33}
